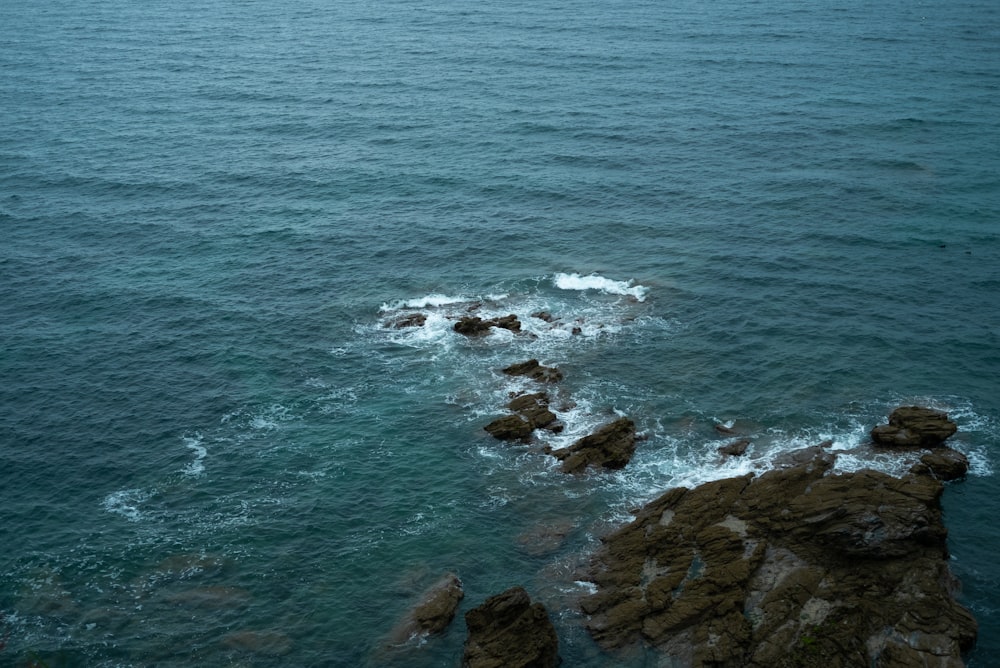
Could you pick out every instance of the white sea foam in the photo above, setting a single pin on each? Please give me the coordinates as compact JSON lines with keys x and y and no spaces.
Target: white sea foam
{"x":428,"y":301}
{"x":126,"y":502}
{"x":196,"y":467}
{"x":600,"y":283}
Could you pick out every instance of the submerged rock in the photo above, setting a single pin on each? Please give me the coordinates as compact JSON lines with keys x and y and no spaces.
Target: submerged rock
{"x":509,"y":631}
{"x":610,"y":447}
{"x":914,"y":427}
{"x":798,"y":567}
{"x":532,"y":369}
{"x":736,"y":448}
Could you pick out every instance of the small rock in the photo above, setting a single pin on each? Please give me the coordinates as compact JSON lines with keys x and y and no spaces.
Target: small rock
{"x":534,"y":408}
{"x":914,"y":427}
{"x":509,"y":322}
{"x":532,"y":369}
{"x":472,"y":326}
{"x":509,"y":631}
{"x":433,"y":613}
{"x":410,"y":320}
{"x":944,"y":464}
{"x":736,"y":448}
{"x":543,"y":315}
{"x":510,"y":428}
{"x":610,"y":447}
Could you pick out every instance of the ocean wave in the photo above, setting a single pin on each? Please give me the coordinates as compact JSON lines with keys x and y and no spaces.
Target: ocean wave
{"x":601,"y":284}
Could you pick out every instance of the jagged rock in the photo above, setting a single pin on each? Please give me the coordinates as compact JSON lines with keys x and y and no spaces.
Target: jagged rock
{"x":508,"y":631}
{"x":543,"y":315}
{"x":433,"y":613}
{"x":610,"y":447}
{"x":943,"y":464}
{"x":473,"y":325}
{"x":915,"y":427}
{"x":535,"y":409}
{"x":510,"y":428}
{"x":736,"y":448}
{"x":798,"y":567}
{"x":410,"y":320}
{"x":532,"y":369}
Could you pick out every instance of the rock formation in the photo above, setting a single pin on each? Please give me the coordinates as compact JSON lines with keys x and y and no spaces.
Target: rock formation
{"x":531,"y":411}
{"x":409,"y":320}
{"x":610,"y":447}
{"x":914,"y":427}
{"x":798,"y":567}
{"x":433,"y":613}
{"x":736,"y":448}
{"x":472,"y":325}
{"x":508,"y":631}
{"x":943,"y":464}
{"x":532,"y":369}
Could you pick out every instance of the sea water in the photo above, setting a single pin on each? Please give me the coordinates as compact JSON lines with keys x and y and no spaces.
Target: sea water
{"x":217,"y":449}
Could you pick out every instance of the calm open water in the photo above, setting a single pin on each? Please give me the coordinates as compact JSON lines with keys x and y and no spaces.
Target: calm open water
{"x":783,"y":216}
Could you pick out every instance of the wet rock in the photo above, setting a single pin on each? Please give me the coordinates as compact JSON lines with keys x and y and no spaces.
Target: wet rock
{"x":914,"y":427}
{"x":509,"y":631}
{"x":943,"y":464}
{"x":544,"y":315}
{"x":408,"y":320}
{"x":268,"y":643}
{"x":736,"y":448}
{"x":797,"y":567}
{"x":474,"y":326}
{"x":535,"y":409}
{"x":723,"y":429}
{"x":433,"y":613}
{"x":532,"y":369}
{"x":610,"y":447}
{"x":510,"y":428}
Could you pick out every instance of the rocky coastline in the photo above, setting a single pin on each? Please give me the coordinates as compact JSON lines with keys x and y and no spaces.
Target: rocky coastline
{"x":799,"y":566}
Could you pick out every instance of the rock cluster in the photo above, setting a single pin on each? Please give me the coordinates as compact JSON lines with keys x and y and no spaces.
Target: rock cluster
{"x":798,"y":567}
{"x":472,"y":325}
{"x":509,"y":631}
{"x":532,"y":369}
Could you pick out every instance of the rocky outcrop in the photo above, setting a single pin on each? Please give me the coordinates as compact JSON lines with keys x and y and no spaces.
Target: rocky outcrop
{"x":531,"y":411}
{"x":433,"y":613}
{"x":473,"y":326}
{"x":798,"y":567}
{"x":943,"y":464}
{"x":610,"y":447}
{"x":509,"y":631}
{"x":914,"y":427}
{"x":532,"y":369}
{"x":408,"y":320}
{"x":736,"y":448}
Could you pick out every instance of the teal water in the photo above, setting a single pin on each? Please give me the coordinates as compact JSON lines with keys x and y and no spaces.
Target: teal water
{"x":779,"y":215}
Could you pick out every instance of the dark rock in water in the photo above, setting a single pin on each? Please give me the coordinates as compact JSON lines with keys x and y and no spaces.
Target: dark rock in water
{"x":532,"y":369}
{"x":472,"y":326}
{"x":943,"y":464}
{"x":508,"y":631}
{"x":510,"y":428}
{"x":411,"y":320}
{"x":535,"y":409}
{"x":914,"y":427}
{"x":545,"y":538}
{"x":798,"y":567}
{"x":736,"y":448}
{"x":543,"y":315}
{"x":434,"y":612}
{"x":507,"y":322}
{"x":610,"y":447}
{"x":577,"y":330}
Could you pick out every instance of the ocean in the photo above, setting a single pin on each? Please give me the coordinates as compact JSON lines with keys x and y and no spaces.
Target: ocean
{"x":217,"y":449}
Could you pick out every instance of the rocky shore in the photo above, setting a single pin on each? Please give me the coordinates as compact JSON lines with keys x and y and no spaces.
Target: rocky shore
{"x":799,"y":566}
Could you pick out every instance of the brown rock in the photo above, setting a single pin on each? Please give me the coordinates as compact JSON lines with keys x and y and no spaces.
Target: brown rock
{"x":736,"y":448}
{"x":534,"y":408}
{"x":610,"y":447}
{"x":798,"y":567}
{"x":532,"y":369}
{"x":508,"y":631}
{"x":410,"y":320}
{"x":507,"y":322}
{"x":433,"y":613}
{"x":543,"y":315}
{"x":510,"y":428}
{"x":944,"y":464}
{"x":914,"y":427}
{"x":472,"y":325}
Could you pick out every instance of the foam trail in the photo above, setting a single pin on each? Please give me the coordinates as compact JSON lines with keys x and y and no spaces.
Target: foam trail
{"x":429,"y":301}
{"x":595,"y":282}
{"x":197,"y":467}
